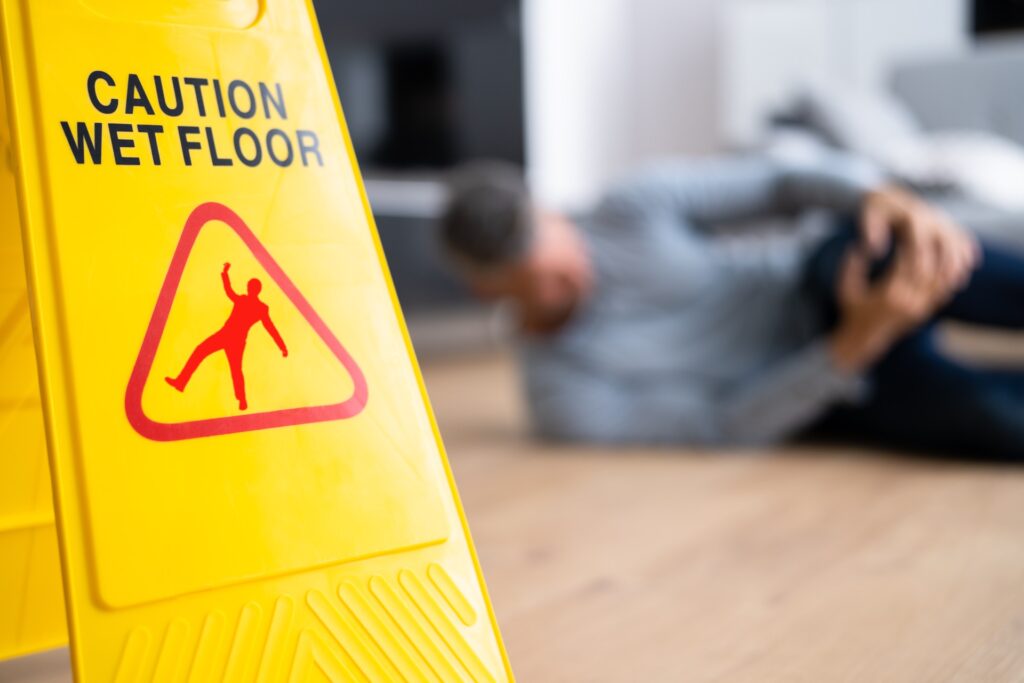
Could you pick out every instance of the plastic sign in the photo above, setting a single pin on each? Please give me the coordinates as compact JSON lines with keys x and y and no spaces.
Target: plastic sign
{"x":248,"y":478}
{"x":31,"y":599}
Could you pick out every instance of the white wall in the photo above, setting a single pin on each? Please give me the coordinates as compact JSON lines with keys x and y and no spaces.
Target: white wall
{"x":675,"y":76}
{"x":770,"y":48}
{"x":610,"y":83}
{"x":613,"y":83}
{"x":578,"y":57}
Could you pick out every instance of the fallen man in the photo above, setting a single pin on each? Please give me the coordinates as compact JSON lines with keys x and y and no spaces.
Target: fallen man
{"x":652,"y":319}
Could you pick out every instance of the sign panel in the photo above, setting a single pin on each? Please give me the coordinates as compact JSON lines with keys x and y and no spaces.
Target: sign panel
{"x":249,"y":481}
{"x":31,"y":606}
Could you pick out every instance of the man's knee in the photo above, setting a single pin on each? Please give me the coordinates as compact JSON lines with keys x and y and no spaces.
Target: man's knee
{"x":822,"y":270}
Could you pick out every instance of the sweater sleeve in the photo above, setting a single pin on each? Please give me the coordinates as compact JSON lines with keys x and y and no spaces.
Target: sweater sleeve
{"x":568,"y":403}
{"x":785,"y":398}
{"x":704,"y":194}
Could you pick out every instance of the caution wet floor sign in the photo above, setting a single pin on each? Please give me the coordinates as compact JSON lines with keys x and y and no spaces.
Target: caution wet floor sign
{"x":248,"y":482}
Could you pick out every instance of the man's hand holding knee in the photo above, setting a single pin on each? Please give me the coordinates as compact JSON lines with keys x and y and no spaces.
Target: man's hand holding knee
{"x":934,"y":258}
{"x":937,"y":246}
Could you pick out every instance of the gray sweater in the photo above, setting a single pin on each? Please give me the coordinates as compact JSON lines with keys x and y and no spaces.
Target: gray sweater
{"x":697,"y":331}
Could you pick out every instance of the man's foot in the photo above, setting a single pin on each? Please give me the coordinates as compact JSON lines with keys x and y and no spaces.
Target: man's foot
{"x":176,"y":383}
{"x":242,"y":405}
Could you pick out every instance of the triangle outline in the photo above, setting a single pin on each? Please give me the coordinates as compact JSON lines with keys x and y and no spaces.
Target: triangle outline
{"x":232,"y":424}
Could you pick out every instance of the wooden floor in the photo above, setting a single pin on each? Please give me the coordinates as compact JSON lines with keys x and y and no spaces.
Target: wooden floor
{"x":801,"y":566}
{"x":644,"y":566}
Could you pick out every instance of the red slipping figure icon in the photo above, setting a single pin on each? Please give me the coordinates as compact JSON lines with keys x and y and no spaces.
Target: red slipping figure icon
{"x":248,"y":310}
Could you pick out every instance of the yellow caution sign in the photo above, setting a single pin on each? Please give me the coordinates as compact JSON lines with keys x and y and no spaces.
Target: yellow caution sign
{"x":31,"y":599}
{"x":248,"y":479}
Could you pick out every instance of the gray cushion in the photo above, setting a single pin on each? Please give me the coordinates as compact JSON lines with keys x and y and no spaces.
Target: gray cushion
{"x":982,"y":90}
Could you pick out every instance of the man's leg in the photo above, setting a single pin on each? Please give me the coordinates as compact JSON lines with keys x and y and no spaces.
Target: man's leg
{"x":994,"y":297}
{"x":237,"y":376}
{"x":920,"y":399}
{"x":210,"y":345}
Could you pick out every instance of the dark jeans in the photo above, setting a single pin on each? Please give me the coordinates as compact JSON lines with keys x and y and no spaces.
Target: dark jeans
{"x":920,"y":399}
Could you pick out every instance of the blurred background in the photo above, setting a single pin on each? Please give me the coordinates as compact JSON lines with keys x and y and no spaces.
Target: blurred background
{"x":426,"y":86}
{"x":637,"y":565}
{"x":579,"y":91}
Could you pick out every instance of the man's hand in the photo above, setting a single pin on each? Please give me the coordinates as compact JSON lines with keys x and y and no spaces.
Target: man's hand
{"x":875,"y":316}
{"x":227,"y":267}
{"x":937,"y":247}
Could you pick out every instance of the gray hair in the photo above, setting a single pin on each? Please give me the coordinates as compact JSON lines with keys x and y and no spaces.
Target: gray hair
{"x":489,"y":218}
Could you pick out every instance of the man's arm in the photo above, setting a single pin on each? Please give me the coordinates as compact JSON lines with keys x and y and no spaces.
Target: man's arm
{"x":709,"y":192}
{"x":702,"y":195}
{"x":226,"y":281}
{"x":271,"y":329}
{"x":786,"y":398}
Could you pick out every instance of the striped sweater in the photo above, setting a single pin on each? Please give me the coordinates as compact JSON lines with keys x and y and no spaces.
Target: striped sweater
{"x":698,"y":331}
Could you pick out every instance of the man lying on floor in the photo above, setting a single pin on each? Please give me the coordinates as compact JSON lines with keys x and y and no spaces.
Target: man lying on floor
{"x":649,"y":320}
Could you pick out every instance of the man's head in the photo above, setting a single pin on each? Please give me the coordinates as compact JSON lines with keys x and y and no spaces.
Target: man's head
{"x":509,"y":249}
{"x":255,"y":287}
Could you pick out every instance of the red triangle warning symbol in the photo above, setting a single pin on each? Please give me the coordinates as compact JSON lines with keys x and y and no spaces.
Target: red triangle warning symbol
{"x":174,"y":431}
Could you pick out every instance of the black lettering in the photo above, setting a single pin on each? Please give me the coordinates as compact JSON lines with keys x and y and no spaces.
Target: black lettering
{"x":257,"y":156}
{"x":81,"y":141}
{"x":233,"y":88}
{"x":161,"y":96}
{"x":136,"y":96}
{"x":197,"y":85}
{"x":278,"y":133}
{"x":151,"y":132}
{"x":120,"y":144}
{"x":269,"y":100}
{"x":309,"y":143}
{"x":219,"y":94}
{"x":217,"y":161}
{"x":188,"y":145}
{"x":111,"y":106}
